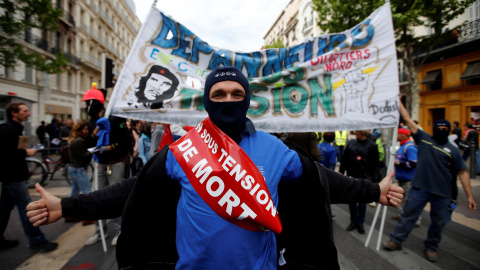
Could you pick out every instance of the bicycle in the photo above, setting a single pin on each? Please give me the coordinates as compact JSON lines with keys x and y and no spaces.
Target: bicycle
{"x":40,"y":171}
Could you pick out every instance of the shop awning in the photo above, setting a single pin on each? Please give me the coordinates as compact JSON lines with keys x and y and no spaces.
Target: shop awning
{"x":472,"y":71}
{"x":431,"y":77}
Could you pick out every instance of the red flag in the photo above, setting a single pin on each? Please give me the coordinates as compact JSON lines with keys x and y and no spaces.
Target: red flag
{"x":167,"y":137}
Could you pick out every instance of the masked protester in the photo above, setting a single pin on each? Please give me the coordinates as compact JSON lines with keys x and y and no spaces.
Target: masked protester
{"x":209,"y":200}
{"x":432,"y":182}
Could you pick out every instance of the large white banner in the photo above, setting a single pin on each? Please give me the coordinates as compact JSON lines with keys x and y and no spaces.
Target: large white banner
{"x":343,"y":81}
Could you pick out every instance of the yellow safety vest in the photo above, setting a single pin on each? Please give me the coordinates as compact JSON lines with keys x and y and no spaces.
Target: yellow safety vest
{"x":341,"y":137}
{"x":319,"y":137}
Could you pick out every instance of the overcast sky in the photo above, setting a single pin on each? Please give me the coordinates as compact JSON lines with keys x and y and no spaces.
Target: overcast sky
{"x":226,"y":24}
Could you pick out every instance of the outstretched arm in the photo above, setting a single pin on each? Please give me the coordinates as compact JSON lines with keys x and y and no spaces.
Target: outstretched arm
{"x":412,"y":126}
{"x":104,"y":203}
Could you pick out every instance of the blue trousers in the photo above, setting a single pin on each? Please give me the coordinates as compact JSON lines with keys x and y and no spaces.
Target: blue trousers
{"x":440,"y":215}
{"x":16,"y":193}
{"x":80,"y":181}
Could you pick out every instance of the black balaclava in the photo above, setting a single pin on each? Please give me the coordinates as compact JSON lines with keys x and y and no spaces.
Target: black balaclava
{"x":441,"y":136}
{"x":229,"y":116}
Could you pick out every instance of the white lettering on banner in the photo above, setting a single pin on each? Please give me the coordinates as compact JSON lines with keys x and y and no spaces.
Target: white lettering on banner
{"x":220,"y":188}
{"x":248,"y":182}
{"x":231,"y":199}
{"x":228,"y":161}
{"x":237,"y":173}
{"x":215,"y":186}
{"x":190,"y":152}
{"x":199,"y":167}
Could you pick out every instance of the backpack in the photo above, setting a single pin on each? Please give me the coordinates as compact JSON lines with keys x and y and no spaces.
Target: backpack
{"x":410,"y":143}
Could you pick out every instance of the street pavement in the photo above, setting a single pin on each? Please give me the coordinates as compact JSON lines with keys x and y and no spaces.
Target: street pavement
{"x":459,"y":249}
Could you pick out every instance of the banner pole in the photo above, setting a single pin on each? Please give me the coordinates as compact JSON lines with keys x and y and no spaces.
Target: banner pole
{"x":100,"y":222}
{"x":389,"y":158}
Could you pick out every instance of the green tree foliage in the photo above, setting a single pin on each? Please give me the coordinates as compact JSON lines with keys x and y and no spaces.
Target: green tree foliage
{"x":339,"y":15}
{"x":277,"y":44}
{"x":16,"y":18}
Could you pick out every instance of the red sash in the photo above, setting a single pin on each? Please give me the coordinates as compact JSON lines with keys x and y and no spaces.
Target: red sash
{"x":225,"y":178}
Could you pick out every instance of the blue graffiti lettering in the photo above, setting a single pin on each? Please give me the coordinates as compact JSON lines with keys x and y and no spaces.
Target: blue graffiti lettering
{"x":274,"y":61}
{"x":251,"y":61}
{"x":293,"y":55}
{"x":357,"y":31}
{"x":220,"y":58}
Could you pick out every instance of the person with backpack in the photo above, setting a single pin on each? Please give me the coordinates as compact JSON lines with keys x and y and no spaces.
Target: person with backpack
{"x":405,"y":163}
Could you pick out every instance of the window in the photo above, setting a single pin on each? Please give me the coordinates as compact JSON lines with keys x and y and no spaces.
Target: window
{"x":59,"y":79}
{"x":474,"y":11}
{"x":28,"y":75}
{"x":433,"y":80}
{"x":69,"y":82}
{"x":472,"y":73}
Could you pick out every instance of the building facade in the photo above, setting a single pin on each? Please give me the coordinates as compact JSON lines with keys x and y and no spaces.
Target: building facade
{"x":450,"y":77}
{"x":297,"y":22}
{"x":87,"y":31}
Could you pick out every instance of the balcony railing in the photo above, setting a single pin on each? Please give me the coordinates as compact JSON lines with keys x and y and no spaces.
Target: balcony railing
{"x":67,"y":16}
{"x":470,"y":30}
{"x":73,"y":59}
{"x":35,"y":40}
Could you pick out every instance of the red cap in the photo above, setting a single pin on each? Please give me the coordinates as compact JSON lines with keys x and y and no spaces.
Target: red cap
{"x":404,"y":131}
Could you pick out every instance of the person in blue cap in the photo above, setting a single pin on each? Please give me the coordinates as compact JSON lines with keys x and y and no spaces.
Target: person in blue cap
{"x":167,"y":224}
{"x":432,"y":182}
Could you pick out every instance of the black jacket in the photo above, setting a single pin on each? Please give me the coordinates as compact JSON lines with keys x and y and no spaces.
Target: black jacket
{"x":149,"y":216}
{"x":120,"y":138}
{"x":13,"y":167}
{"x":360,"y":159}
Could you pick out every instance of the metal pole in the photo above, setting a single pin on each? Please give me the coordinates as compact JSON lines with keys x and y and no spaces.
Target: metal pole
{"x":389,"y":158}
{"x":100,"y":222}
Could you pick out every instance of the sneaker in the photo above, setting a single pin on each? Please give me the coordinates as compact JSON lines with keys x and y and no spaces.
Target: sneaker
{"x":431,"y":255}
{"x":115,"y":238}
{"x":94,"y":239}
{"x":391,"y":246}
{"x":5,"y":244}
{"x":45,"y":246}
{"x":372,"y":204}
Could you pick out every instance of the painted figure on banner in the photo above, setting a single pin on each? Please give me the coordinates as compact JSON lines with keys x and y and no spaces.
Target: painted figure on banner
{"x":356,"y":82}
{"x":154,"y":88}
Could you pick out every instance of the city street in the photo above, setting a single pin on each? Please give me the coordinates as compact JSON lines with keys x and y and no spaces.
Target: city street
{"x":459,"y":249}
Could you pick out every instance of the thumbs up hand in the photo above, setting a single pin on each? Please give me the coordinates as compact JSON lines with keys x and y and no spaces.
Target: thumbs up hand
{"x":46,"y":210}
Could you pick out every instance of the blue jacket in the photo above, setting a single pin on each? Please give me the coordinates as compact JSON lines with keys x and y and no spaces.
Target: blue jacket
{"x":144,"y":148}
{"x":407,"y":156}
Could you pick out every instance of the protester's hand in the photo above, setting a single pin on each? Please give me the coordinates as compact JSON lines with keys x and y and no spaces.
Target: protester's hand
{"x":46,"y":210}
{"x":103,"y":149}
{"x":30,"y":152}
{"x":390,"y":195}
{"x":471,"y":204}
